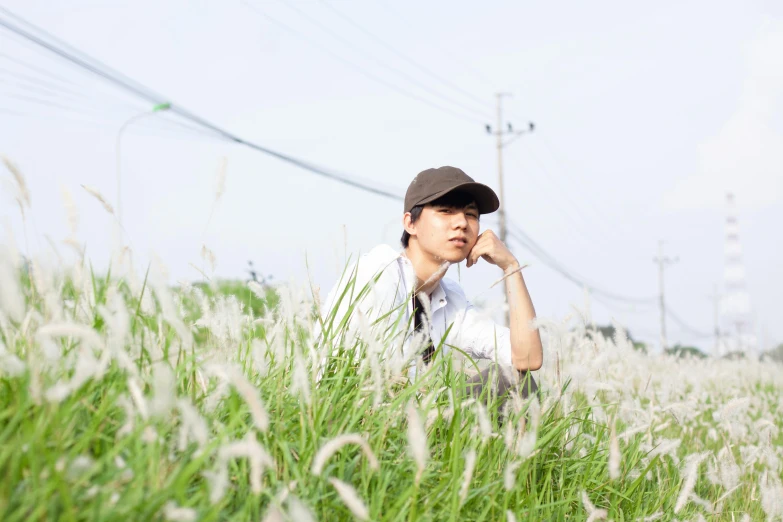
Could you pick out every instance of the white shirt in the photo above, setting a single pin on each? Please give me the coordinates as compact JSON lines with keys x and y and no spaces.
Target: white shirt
{"x":480,"y":337}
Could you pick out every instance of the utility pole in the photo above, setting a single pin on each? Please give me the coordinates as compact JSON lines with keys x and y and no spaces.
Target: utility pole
{"x":662,"y":262}
{"x":499,"y":145}
{"x":500,"y":131}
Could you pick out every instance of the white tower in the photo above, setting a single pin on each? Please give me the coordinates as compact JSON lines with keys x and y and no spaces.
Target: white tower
{"x":736,"y":320}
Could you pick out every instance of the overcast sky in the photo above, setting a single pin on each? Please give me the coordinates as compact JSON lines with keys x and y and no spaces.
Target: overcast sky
{"x":646,"y":115}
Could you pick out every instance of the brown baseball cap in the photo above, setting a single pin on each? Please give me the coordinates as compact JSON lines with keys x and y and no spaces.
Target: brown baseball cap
{"x":430,"y":184}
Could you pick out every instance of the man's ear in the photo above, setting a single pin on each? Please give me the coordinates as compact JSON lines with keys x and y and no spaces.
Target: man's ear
{"x":409,"y":226}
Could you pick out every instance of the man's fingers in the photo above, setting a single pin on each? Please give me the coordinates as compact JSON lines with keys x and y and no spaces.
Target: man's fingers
{"x":478,"y":250}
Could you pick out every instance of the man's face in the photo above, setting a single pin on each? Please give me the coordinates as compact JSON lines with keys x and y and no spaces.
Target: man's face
{"x":446,"y":233}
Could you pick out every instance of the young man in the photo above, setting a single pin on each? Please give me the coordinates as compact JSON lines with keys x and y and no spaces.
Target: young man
{"x":441,"y":228}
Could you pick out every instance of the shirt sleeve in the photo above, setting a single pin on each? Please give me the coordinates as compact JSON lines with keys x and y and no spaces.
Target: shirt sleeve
{"x":479,"y":336}
{"x":377,"y":299}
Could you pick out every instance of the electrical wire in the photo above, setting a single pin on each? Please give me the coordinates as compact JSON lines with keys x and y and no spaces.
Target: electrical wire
{"x":518,"y":234}
{"x":78,"y":111}
{"x":79,"y":59}
{"x":578,"y":219}
{"x":596,"y":210}
{"x":412,"y":79}
{"x":361,"y":70}
{"x":685,"y":326}
{"x":446,"y":52}
{"x":406,"y":58}
{"x":598,"y":294}
{"x":129,"y":85}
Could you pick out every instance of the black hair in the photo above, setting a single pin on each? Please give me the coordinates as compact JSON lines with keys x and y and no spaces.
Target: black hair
{"x":455,"y":199}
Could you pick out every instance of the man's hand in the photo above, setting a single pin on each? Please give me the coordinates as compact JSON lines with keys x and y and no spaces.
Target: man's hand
{"x":489,"y":247}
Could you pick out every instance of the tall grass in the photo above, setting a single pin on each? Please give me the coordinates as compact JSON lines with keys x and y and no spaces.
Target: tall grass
{"x":125,"y":400}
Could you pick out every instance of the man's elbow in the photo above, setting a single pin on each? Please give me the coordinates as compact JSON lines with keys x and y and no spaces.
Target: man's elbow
{"x":530,"y":364}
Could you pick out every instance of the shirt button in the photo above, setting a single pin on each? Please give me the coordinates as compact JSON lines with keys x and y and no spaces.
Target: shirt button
{"x":442,"y":301}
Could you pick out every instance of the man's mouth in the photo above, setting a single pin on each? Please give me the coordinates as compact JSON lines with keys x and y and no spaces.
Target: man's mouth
{"x":459,"y":241}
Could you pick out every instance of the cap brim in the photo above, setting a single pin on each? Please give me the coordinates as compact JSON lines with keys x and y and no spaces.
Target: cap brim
{"x":486,"y":199}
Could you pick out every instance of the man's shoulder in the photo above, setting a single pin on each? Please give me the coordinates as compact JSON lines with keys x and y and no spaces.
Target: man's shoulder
{"x":379,"y":260}
{"x":382,"y":254}
{"x":376,"y":268}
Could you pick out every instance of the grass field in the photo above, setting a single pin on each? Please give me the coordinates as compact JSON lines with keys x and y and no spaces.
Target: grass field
{"x":124,"y":399}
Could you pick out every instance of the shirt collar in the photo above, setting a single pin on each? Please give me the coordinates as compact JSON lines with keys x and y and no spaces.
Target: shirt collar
{"x":438,"y":298}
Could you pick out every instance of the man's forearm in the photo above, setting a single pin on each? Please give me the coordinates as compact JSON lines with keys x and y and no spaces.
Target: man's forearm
{"x":526,"y":350}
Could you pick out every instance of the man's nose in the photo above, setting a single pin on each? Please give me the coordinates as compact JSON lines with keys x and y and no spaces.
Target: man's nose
{"x":460,"y":220}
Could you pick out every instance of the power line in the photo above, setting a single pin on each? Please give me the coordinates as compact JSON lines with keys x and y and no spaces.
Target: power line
{"x":361,"y":70}
{"x":595,"y":209}
{"x":37,"y":69}
{"x":599,"y":294}
{"x":577,"y":220}
{"x":491,"y":84}
{"x":518,"y":234}
{"x":682,"y":324}
{"x":29,"y":84}
{"x":73,"y":56}
{"x":44,"y":97}
{"x":404,"y":57}
{"x":395,"y":70}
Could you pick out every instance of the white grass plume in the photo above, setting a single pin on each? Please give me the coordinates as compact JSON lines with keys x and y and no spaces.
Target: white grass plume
{"x":300,"y":379}
{"x":192,"y":425}
{"x":333,"y":446}
{"x":87,"y":367}
{"x":71,"y":211}
{"x":442,"y":269}
{"x":730,"y":408}
{"x":467,"y":475}
{"x":729,"y":471}
{"x":506,"y":276}
{"x":164,"y":390}
{"x":94,"y":192}
{"x":526,"y":444}
{"x":66,"y":329}
{"x":298,"y":511}
{"x":417,"y":439}
{"x":24,"y":192}
{"x":771,"y":496}
{"x":11,"y":298}
{"x":209,"y":256}
{"x":484,"y":424}
{"x":174,"y":513}
{"x":510,"y":475}
{"x":138,"y":398}
{"x":593,"y":513}
{"x":249,"y":394}
{"x":257,"y":289}
{"x":706,"y":504}
{"x":246,"y":448}
{"x":350,"y":498}
{"x":10,"y":364}
{"x":614,"y":453}
{"x":691,"y":474}
{"x":274,"y":515}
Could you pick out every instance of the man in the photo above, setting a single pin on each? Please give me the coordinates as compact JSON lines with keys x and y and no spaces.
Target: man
{"x":441,"y":228}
